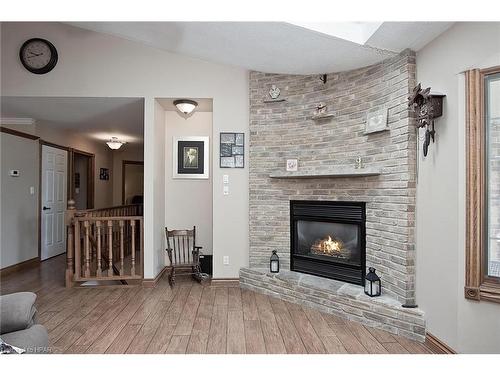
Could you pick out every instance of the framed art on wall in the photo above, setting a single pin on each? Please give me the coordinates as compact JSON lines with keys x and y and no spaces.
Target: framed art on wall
{"x":232,"y":150}
{"x":104,"y":174}
{"x":191,"y":157}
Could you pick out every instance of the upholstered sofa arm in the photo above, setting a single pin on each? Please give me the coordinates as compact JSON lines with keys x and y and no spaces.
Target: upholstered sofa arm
{"x":17,"y":311}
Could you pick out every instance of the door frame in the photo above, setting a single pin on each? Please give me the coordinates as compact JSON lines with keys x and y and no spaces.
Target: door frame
{"x":124,"y":163}
{"x":90,"y":175}
{"x":55,"y":145}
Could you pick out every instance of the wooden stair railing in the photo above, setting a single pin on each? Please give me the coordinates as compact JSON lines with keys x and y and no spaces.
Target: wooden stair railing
{"x":105,"y":244}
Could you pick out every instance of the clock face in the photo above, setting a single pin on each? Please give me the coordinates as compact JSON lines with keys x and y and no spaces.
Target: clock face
{"x":39,"y":56}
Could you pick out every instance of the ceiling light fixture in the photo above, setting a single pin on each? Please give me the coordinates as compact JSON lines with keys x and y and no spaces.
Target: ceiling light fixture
{"x":185,"y":106}
{"x":114,"y":143}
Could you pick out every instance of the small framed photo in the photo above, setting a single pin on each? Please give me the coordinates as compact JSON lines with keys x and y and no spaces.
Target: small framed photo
{"x":228,"y":138}
{"x":292,"y":165}
{"x":227,"y":162}
{"x":232,"y":150}
{"x":376,"y":121}
{"x":104,"y":174}
{"x":191,"y":157}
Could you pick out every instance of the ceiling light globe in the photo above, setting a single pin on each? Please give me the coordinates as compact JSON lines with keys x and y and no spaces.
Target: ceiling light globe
{"x":185,"y":106}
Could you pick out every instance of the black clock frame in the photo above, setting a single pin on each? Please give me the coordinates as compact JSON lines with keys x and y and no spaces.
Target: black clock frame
{"x":53,"y":58}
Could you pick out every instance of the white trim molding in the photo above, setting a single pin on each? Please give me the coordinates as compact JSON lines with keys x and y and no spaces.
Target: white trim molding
{"x":17,"y":121}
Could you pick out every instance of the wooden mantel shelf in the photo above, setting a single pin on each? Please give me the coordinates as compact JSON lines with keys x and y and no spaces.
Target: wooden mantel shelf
{"x":330,"y":173}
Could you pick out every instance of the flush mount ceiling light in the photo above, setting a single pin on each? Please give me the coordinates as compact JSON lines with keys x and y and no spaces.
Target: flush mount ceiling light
{"x":185,"y":106}
{"x":114,"y":143}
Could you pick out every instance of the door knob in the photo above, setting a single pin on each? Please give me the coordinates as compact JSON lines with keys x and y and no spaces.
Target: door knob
{"x":45,"y":208}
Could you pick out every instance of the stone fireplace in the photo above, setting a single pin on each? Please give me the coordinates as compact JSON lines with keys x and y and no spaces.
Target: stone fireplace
{"x":328,"y":239}
{"x":323,"y":256}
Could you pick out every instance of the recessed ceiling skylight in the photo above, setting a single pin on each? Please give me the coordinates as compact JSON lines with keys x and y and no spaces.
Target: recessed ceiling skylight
{"x":357,"y":32}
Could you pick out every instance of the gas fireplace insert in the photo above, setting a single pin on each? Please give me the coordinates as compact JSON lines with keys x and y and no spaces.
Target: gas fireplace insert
{"x":328,"y":239}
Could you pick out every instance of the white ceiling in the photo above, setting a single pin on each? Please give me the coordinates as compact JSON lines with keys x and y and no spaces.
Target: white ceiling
{"x":278,"y":47}
{"x":98,"y":118}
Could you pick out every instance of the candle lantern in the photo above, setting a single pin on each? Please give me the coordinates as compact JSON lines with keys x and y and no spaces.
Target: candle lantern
{"x":372,"y":283}
{"x":274,"y":264}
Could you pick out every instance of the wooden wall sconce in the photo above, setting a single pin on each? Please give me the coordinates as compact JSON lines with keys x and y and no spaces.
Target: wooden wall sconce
{"x":427,"y":106}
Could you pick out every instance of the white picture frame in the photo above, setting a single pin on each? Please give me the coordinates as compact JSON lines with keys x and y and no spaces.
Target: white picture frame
{"x":179,"y":172}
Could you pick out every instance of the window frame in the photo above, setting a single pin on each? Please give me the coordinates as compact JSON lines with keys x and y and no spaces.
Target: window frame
{"x":478,"y":285}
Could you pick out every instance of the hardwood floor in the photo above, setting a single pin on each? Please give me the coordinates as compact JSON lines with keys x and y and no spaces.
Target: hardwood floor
{"x":189,"y":318}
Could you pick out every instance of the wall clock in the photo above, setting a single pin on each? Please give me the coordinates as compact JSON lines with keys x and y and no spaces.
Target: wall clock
{"x":38,"y":56}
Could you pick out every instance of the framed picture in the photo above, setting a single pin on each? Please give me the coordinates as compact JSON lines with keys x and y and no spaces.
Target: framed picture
{"x":104,"y":174}
{"x":232,"y":150}
{"x":191,"y":157}
{"x":376,"y":121}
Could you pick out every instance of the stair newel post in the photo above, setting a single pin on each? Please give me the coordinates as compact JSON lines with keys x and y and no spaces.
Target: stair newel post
{"x":70,"y":242}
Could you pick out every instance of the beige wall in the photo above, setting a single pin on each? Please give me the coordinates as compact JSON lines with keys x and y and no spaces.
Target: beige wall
{"x":129,"y":152}
{"x":468,"y":327}
{"x":98,"y":65}
{"x":18,"y":207}
{"x":188,"y":202}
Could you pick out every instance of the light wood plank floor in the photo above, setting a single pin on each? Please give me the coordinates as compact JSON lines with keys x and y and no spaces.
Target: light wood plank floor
{"x":189,"y":318}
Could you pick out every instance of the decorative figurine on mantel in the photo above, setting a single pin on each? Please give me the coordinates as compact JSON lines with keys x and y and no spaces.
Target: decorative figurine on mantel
{"x":274,"y":92}
{"x":320,"y":109}
{"x":359,"y":163}
{"x":427,"y":107}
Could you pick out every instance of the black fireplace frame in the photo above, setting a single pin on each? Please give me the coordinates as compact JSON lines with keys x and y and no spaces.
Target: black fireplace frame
{"x":328,"y":211}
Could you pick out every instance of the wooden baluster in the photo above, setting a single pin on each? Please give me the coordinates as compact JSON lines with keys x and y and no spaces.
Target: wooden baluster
{"x":87,"y":248}
{"x":78,"y":251}
{"x":132,"y":230}
{"x":122,"y":223}
{"x":110,"y":248}
{"x":70,"y":243}
{"x":98,"y":238}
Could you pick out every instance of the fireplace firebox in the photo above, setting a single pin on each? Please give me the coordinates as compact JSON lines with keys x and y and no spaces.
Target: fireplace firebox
{"x":329,"y":239}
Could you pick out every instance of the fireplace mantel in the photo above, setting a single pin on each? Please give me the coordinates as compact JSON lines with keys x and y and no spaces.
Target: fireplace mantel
{"x":340,"y":172}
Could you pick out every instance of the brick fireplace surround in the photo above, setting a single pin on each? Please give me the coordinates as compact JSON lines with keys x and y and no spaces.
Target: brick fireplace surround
{"x":286,"y":130}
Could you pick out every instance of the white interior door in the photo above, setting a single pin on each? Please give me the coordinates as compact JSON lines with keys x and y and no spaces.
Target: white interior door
{"x":54,"y":180}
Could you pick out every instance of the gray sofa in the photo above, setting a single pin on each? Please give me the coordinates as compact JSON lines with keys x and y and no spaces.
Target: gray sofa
{"x":18,"y":323}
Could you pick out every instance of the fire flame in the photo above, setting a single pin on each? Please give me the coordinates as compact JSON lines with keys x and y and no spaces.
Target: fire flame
{"x":331,"y":245}
{"x":328,"y":246}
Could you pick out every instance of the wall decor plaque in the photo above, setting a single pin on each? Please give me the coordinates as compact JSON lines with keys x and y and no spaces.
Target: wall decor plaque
{"x":376,"y":121}
{"x":232,"y":150}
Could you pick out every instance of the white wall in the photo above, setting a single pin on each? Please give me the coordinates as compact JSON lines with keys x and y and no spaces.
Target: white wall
{"x":189,"y":202}
{"x":97,"y":65}
{"x":18,"y":207}
{"x":467,"y":326}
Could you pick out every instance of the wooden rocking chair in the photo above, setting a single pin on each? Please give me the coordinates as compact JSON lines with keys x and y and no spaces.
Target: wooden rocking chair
{"x":183,"y":253}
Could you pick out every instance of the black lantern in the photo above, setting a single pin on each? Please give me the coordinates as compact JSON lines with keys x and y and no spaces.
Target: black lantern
{"x":274,"y":264}
{"x":372,"y":283}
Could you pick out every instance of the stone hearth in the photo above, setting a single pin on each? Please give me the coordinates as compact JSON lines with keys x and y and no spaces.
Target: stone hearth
{"x":335,"y":297}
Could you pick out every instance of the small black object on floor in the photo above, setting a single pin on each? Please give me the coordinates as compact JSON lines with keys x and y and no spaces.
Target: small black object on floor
{"x":206,"y":263}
